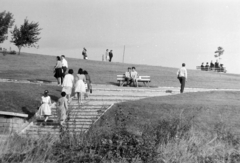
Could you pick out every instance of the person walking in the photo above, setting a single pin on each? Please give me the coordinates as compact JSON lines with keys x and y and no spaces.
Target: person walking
{"x":62,"y":107}
{"x":182,"y":77}
{"x":110,"y":55}
{"x":80,"y":88}
{"x":45,"y":108}
{"x":58,"y":71}
{"x":64,"y":65}
{"x":84,"y":53}
{"x":89,"y":83}
{"x":68,"y":82}
{"x":106,"y":55}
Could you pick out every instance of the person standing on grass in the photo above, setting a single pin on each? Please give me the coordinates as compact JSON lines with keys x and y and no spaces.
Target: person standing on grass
{"x":58,"y":71}
{"x":80,"y":88}
{"x":84,"y":53}
{"x":62,"y":107}
{"x":64,"y":65}
{"x":45,"y":108}
{"x":68,"y":82}
{"x":110,"y":55}
{"x":182,"y":76}
{"x":106,"y":55}
{"x":89,"y":82}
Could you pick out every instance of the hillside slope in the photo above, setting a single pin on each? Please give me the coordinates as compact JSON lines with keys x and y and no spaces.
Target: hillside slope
{"x":40,"y":67}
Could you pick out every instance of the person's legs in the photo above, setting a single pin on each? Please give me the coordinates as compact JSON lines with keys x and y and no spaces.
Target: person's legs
{"x":182,"y":81}
{"x":183,"y":84}
{"x":59,"y":80}
{"x":78,"y":96}
{"x":127,"y":79}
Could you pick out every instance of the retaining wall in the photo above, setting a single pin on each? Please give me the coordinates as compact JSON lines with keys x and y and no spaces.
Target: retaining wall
{"x":12,"y":122}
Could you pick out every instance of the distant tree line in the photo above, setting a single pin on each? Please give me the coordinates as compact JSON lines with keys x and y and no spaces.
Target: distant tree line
{"x":24,"y":36}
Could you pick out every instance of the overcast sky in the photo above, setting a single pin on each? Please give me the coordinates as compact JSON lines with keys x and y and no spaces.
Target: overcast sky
{"x":154,"y":32}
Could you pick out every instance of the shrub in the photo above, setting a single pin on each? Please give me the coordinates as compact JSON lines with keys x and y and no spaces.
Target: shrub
{"x":13,"y":52}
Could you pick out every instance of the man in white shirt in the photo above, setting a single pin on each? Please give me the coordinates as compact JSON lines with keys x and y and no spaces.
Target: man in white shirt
{"x":64,"y":65}
{"x":182,"y":77}
{"x":134,"y":76}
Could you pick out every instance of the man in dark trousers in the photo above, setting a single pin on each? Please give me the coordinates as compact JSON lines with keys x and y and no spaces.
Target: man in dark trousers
{"x":182,"y":76}
{"x":110,"y":55}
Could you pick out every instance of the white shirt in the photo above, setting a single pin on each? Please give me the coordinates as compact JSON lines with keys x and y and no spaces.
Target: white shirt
{"x":182,"y":72}
{"x":64,"y":63}
{"x":68,"y":80}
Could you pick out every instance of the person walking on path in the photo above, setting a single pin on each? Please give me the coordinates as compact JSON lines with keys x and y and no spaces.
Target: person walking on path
{"x":62,"y":107}
{"x":45,"y":108}
{"x":58,"y":71}
{"x":80,"y":88}
{"x":182,"y":77}
{"x":68,"y":82}
{"x":110,"y":55}
{"x":89,"y":82}
{"x":64,"y":65}
{"x":84,"y":53}
{"x":106,"y":55}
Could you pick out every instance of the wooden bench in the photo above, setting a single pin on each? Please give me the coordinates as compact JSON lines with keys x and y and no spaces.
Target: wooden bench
{"x":145,"y":79}
{"x":220,"y":69}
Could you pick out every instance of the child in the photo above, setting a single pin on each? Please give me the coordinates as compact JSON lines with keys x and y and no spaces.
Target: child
{"x":62,"y":106}
{"x":45,"y":108}
{"x":68,"y":84}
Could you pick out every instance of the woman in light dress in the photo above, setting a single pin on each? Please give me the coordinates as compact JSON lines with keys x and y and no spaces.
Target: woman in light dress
{"x":68,"y":82}
{"x":58,"y":71}
{"x":45,"y":108}
{"x":62,"y":107}
{"x":80,"y":88}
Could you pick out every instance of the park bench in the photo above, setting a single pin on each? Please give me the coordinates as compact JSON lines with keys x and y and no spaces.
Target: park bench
{"x":219,"y":69}
{"x":145,"y":79}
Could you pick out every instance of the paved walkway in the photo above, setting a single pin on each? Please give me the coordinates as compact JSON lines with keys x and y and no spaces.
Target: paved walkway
{"x":103,"y":97}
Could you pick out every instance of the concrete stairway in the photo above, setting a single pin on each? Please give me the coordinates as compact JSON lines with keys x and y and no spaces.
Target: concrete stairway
{"x":82,"y":117}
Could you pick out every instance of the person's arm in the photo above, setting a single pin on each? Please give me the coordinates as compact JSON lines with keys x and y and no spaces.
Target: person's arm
{"x":89,"y":79}
{"x":84,"y":79}
{"x":65,"y":104}
{"x":186,"y":74}
{"x":50,"y":102}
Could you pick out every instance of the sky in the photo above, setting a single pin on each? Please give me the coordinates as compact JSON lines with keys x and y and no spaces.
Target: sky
{"x":154,"y":32}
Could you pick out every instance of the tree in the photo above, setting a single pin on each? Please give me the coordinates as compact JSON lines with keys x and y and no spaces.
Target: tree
{"x":6,"y":21}
{"x":26,"y":35}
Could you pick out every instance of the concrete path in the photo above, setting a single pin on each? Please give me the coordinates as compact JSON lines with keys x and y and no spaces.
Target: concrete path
{"x":103,"y":97}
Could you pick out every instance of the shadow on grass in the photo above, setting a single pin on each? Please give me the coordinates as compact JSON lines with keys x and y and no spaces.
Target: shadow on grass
{"x":113,"y":83}
{"x":28,"y":112}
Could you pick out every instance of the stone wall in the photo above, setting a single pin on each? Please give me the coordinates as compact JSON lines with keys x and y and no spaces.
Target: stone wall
{"x":10,"y":124}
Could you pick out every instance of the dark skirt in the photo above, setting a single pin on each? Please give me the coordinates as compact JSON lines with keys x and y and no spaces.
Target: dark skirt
{"x":58,"y":73}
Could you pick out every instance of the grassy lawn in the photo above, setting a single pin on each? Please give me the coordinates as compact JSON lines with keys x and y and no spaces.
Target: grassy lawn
{"x":40,"y":67}
{"x":24,"y":98}
{"x":204,"y":111}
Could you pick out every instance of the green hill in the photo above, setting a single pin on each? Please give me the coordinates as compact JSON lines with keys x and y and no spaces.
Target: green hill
{"x":40,"y":67}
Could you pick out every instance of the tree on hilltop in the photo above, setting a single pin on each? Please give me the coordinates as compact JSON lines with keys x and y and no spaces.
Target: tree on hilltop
{"x":6,"y":21}
{"x":26,"y":35}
